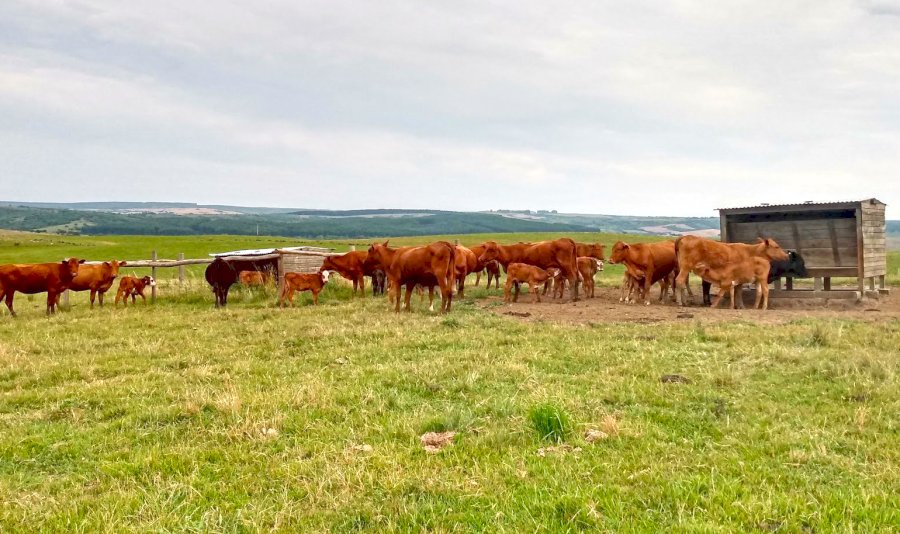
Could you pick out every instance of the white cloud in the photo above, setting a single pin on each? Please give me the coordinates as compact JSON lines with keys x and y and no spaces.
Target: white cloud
{"x":641,"y":107}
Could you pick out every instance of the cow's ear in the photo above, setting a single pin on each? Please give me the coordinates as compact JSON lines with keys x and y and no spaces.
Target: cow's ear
{"x":123,"y":262}
{"x":106,"y":264}
{"x":385,"y":243}
{"x":81,"y":261}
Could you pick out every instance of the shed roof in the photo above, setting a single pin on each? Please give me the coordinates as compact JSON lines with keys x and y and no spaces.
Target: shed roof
{"x":809,"y":204}
{"x":264,"y":251}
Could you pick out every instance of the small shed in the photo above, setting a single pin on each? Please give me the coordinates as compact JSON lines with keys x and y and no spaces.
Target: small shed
{"x":835,"y":239}
{"x":288,"y":259}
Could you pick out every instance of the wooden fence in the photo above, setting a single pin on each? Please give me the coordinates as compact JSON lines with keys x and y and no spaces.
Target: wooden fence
{"x":155,"y":263}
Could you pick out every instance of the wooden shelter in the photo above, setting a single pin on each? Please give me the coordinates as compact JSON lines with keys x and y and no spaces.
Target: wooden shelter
{"x":287,"y":259}
{"x":835,"y":239}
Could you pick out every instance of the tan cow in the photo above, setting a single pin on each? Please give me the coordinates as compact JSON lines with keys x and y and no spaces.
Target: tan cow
{"x":313,"y":282}
{"x":693,"y":250}
{"x":96,"y":278}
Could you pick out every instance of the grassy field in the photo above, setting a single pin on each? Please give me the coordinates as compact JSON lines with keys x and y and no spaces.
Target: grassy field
{"x":179,"y":417}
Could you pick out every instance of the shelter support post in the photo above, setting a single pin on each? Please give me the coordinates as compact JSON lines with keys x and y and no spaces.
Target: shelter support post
{"x":181,"y":268}
{"x":153,"y":257}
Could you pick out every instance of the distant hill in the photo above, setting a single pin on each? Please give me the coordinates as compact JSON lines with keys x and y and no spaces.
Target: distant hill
{"x":181,"y":218}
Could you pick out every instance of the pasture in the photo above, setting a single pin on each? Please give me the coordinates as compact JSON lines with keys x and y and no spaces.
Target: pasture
{"x":179,"y":417}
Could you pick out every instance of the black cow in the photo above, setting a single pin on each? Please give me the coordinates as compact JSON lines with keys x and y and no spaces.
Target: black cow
{"x":222,"y":274}
{"x":793,"y":267}
{"x":378,"y":282}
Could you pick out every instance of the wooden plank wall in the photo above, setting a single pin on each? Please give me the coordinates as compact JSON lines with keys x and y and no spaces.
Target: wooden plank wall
{"x":823,"y":243}
{"x":874,"y":243}
{"x":296,"y":263}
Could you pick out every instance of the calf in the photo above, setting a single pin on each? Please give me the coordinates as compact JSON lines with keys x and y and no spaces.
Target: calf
{"x":132,"y":286}
{"x":303,"y":282}
{"x":587,"y":268}
{"x":96,"y":278}
{"x":693,"y":250}
{"x":521,"y":273}
{"x":379,"y":281}
{"x":793,"y":267}
{"x":254,"y":278}
{"x":750,"y":270}
{"x":493,"y":273}
{"x":52,"y":278}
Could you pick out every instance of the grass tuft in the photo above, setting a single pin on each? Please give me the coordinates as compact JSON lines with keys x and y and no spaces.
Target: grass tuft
{"x":551,"y":422}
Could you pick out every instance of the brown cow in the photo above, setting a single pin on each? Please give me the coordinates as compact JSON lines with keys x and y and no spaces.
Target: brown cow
{"x":466,"y":262}
{"x":132,"y":286}
{"x":591,"y":250}
{"x":52,"y":278}
{"x":716,"y":255}
{"x":96,"y":278}
{"x":522,"y":273}
{"x":351,"y":266}
{"x":587,"y":268}
{"x":254,"y":278}
{"x":752,"y":270}
{"x":655,"y":260}
{"x":430,"y":265}
{"x":313,"y":282}
{"x":559,"y":253}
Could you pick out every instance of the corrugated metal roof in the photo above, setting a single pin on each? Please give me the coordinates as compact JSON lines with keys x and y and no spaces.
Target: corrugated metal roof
{"x":264,"y":251}
{"x":802,"y":204}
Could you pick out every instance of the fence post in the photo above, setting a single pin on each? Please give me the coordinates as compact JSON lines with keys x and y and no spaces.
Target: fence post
{"x":153,"y":274}
{"x":181,"y":269}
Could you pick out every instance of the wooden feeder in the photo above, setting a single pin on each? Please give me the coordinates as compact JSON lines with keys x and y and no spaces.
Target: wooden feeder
{"x":835,"y":239}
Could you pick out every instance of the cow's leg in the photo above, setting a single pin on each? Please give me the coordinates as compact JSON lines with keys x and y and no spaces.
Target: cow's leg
{"x":706,"y":298}
{"x":51,"y":302}
{"x":516,"y":291}
{"x":100,"y":295}
{"x":431,"y":298}
{"x":93,"y":297}
{"x":315,"y":293}
{"x":680,"y":283}
{"x":507,"y":289}
{"x":719,"y":296}
{"x":648,"y":283}
{"x":535,"y":294}
{"x":9,"y":300}
{"x":409,"y":289}
{"x":572,"y":278}
{"x":764,"y":288}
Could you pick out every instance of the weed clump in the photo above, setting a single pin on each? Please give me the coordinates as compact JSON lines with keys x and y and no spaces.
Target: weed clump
{"x":818,"y":337}
{"x":551,"y":422}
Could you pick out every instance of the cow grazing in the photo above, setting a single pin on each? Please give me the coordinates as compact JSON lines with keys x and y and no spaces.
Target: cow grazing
{"x":655,"y":261}
{"x":351,"y":266}
{"x":293,"y":282}
{"x":379,"y":281}
{"x":522,"y":273}
{"x":96,"y":278}
{"x":221,"y":274}
{"x":793,"y":267}
{"x":692,"y":250}
{"x":254,"y":278}
{"x":52,"y":278}
{"x":431,"y":265}
{"x":587,"y":268}
{"x":750,"y":270}
{"x":132,"y":286}
{"x":559,"y":253}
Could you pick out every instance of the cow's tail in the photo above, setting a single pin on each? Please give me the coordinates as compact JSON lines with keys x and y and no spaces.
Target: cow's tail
{"x":451,"y":272}
{"x":677,"y":246}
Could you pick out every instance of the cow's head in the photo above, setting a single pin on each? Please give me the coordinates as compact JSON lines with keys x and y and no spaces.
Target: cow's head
{"x":148,"y":281}
{"x":796,"y":265}
{"x":619,"y":252}
{"x":599,"y":264}
{"x":327,"y":264}
{"x":772,"y":249}
{"x":701,"y":269}
{"x":325,"y":273}
{"x":491,"y":252}
{"x":71,"y":266}
{"x":112,"y":267}
{"x":376,"y":256}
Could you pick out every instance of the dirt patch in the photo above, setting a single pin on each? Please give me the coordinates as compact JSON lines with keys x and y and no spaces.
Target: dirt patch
{"x":606,"y":308}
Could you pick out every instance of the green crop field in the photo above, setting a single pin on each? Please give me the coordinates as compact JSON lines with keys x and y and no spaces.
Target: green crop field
{"x":180,"y":417}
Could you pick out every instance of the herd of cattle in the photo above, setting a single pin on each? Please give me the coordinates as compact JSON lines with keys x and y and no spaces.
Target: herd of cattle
{"x":545,"y":266}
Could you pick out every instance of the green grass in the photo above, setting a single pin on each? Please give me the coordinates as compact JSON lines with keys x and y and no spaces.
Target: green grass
{"x":179,"y":417}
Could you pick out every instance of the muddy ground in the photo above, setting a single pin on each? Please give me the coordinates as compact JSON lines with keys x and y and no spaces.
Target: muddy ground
{"x":606,"y":308}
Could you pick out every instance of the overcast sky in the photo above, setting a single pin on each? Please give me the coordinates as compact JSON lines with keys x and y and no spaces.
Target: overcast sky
{"x":669,"y":107}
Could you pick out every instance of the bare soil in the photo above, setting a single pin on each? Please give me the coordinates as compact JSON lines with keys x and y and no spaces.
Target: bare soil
{"x":606,"y":308}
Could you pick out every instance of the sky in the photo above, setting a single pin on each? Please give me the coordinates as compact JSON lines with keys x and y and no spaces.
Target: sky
{"x":633,"y":108}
